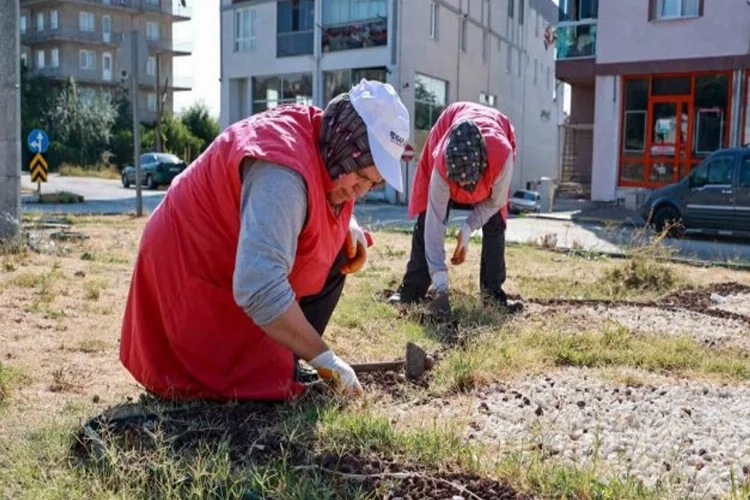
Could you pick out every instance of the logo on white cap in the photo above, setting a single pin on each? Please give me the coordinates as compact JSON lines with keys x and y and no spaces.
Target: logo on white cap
{"x":388,"y":126}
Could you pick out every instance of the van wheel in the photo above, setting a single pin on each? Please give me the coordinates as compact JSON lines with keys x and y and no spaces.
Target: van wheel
{"x":667,"y":218}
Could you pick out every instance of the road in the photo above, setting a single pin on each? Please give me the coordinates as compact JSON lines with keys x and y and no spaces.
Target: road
{"x":110,"y":197}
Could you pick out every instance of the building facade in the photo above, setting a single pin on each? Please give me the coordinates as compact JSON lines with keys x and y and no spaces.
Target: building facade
{"x":82,"y":38}
{"x":661,"y":85}
{"x":434,"y":52}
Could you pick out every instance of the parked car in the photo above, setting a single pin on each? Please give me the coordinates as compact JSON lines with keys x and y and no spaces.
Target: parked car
{"x":713,"y":199}
{"x":524,"y":201}
{"x":157,"y":169}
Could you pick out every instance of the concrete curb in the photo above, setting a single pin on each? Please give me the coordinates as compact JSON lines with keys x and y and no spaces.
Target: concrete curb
{"x":587,"y":219}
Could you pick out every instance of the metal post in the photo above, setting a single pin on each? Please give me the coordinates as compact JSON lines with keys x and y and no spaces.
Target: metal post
{"x":10,"y":110}
{"x":136,"y":124}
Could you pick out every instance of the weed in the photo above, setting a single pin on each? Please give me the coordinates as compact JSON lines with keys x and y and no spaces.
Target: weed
{"x":100,"y":171}
{"x":3,"y":384}
{"x":641,"y":274}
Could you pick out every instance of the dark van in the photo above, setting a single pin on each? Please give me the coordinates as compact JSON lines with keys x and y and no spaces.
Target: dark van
{"x":713,"y":199}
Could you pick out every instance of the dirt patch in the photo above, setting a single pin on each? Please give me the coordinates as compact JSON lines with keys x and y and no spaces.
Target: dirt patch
{"x":254,"y":437}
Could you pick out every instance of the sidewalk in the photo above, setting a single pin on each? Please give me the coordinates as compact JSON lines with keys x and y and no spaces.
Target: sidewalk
{"x":610,"y":216}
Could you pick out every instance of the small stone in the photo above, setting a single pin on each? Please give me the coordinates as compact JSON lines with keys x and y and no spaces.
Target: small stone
{"x":539,"y":411}
{"x":526,"y":401}
{"x":401,"y":378}
{"x":581,"y":404}
{"x":95,"y":399}
{"x":688,"y":411}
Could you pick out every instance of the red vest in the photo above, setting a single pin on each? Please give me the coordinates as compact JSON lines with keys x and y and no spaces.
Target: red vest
{"x":183,"y":335}
{"x":501,"y":141}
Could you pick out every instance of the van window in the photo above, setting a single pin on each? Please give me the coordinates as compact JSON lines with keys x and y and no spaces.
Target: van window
{"x":714,"y":171}
{"x":745,"y":171}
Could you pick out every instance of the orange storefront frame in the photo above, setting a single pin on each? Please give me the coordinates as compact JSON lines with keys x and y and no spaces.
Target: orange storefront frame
{"x":683,"y":159}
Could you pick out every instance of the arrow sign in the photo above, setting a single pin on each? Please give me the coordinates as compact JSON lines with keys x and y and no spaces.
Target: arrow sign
{"x":38,"y":141}
{"x":38,"y":168}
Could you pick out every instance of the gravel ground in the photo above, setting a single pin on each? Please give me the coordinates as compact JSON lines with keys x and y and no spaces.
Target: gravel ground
{"x":682,"y":435}
{"x":739,"y":303}
{"x":708,"y":330}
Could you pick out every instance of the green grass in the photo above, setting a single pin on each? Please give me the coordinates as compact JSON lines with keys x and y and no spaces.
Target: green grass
{"x":102,"y":172}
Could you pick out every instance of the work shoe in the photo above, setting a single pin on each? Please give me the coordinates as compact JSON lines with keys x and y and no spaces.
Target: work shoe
{"x":502,"y":302}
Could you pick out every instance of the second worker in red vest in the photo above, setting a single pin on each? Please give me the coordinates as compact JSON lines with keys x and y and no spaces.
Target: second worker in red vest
{"x":466,"y":163}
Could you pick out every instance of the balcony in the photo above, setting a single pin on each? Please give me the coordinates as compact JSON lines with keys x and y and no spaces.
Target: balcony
{"x":352,"y":35}
{"x":175,"y":47}
{"x":31,"y":36}
{"x":172,"y":8}
{"x":294,"y":43}
{"x":576,"y":39}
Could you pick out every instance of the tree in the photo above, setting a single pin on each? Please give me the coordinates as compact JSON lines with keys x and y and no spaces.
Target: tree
{"x":37,"y":95}
{"x":83,"y":123}
{"x":201,"y":124}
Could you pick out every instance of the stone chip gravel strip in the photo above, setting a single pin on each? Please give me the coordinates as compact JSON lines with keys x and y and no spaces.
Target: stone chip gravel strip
{"x":681,"y":435}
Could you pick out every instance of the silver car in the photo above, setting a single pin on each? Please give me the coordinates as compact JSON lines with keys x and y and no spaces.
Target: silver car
{"x":524,"y":201}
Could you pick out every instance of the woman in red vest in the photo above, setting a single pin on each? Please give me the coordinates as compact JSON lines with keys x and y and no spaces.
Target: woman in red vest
{"x":243,"y":262}
{"x":466,"y":163}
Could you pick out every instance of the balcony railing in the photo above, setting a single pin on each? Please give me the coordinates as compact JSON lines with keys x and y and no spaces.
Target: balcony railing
{"x":171,"y":7}
{"x":294,"y":43}
{"x":355,"y":34}
{"x":576,"y":39}
{"x":69,"y":33}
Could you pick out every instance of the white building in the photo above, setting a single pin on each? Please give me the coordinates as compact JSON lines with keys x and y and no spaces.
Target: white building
{"x":434,"y":52}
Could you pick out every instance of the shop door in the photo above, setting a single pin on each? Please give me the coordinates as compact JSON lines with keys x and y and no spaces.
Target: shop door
{"x":667,"y":139}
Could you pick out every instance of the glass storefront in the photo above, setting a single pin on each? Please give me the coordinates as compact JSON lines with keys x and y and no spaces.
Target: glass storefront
{"x":669,"y":123}
{"x":270,"y":91}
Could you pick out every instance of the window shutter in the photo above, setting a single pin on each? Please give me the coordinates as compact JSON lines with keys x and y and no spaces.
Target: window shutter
{"x":652,"y":6}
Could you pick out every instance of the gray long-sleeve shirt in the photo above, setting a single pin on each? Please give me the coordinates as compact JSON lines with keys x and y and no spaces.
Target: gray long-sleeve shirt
{"x":273,"y":209}
{"x":437,"y":213}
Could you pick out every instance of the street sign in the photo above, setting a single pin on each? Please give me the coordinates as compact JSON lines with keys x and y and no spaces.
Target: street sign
{"x":38,"y":168}
{"x":38,"y":141}
{"x":408,"y":154}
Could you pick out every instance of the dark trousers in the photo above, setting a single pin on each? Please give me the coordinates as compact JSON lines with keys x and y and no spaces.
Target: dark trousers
{"x":417,"y":279}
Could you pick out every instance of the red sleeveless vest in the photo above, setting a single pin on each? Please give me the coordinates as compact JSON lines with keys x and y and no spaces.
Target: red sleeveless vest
{"x":501,"y":142}
{"x":183,"y":335}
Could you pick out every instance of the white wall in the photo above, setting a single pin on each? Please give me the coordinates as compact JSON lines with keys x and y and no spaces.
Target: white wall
{"x":606,"y":133}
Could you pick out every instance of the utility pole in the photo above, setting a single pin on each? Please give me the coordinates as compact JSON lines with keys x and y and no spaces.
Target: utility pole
{"x":134,"y":75}
{"x":10,"y":110}
{"x":158,"y":100}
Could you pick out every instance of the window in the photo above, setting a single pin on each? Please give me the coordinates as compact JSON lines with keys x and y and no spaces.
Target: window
{"x":53,"y":20}
{"x":151,"y":66}
{"x":87,"y":59}
{"x":151,"y":101}
{"x":433,"y":20}
{"x":578,"y":10}
{"x":22,"y":24}
{"x":716,"y":171}
{"x":152,"y":30}
{"x":430,"y":99}
{"x":635,"y":114}
{"x":521,"y":11}
{"x":487,"y":99}
{"x":536,"y":71}
{"x":54,"y":57}
{"x":40,"y":21}
{"x":25,"y":59}
{"x":295,"y":23}
{"x":745,"y":172}
{"x":711,"y":106}
{"x":511,"y":8}
{"x":549,"y":77}
{"x":40,"y":59}
{"x":354,"y":24}
{"x":464,"y":28}
{"x":244,"y":30}
{"x":86,"y":21}
{"x":338,"y":82}
{"x":537,"y":21}
{"x":271,"y":91}
{"x":671,"y":9}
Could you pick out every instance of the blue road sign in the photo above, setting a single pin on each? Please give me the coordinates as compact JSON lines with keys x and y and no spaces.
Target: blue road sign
{"x":38,"y":141}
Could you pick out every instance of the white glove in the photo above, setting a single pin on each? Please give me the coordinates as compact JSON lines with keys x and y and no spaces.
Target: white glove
{"x":335,"y":370}
{"x":356,"y":248}
{"x":465,"y":235}
{"x":440,"y":281}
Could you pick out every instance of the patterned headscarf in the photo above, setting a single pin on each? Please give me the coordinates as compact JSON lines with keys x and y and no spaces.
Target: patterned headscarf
{"x":343,"y":138}
{"x":466,"y":154}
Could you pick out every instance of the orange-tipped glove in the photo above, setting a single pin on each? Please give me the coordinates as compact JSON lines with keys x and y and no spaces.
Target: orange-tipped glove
{"x":462,"y":246}
{"x":336,"y":372}
{"x":356,"y":244}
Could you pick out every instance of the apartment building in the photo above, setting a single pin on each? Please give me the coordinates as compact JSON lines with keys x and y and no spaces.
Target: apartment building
{"x":82,"y":38}
{"x":660,"y":86}
{"x":434,"y":52}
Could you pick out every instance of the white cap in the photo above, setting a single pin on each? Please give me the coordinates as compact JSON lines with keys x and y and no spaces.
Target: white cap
{"x":388,"y":127}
